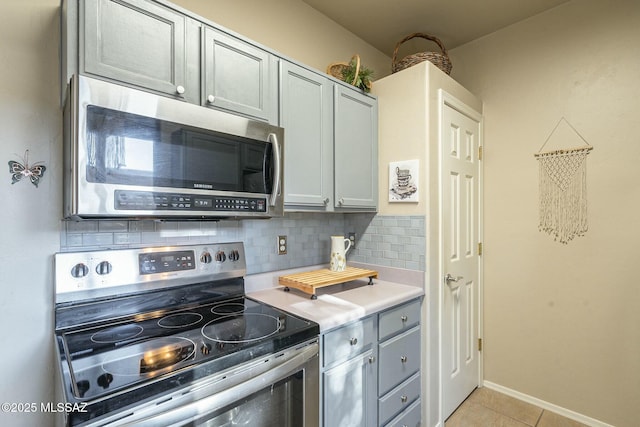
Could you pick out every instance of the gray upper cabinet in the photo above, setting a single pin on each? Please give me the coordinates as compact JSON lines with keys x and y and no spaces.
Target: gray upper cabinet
{"x":306,"y":111}
{"x":140,"y":43}
{"x":239,"y":77}
{"x":331,"y":140}
{"x":355,"y":150}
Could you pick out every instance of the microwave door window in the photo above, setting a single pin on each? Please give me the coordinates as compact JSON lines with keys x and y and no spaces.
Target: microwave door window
{"x":209,"y":161}
{"x":129,"y":149}
{"x":120,"y":147}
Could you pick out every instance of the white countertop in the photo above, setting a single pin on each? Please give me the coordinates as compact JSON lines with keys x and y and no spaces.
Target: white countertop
{"x":339,"y":304}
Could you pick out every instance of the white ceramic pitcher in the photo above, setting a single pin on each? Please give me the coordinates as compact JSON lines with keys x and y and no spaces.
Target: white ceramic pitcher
{"x":338,"y":261}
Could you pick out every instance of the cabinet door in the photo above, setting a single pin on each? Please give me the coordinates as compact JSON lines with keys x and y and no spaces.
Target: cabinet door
{"x":239,"y":77}
{"x":306,"y":111}
{"x":350,"y":393}
{"x":356,"y":150}
{"x":140,"y":43}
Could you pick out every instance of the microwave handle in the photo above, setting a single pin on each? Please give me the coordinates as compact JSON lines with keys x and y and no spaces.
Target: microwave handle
{"x":277,"y":158}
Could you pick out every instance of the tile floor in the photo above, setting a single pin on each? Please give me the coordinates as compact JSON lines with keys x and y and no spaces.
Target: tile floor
{"x":486,"y":407}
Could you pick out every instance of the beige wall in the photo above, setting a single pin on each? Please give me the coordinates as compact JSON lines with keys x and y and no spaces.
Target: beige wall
{"x":562,"y":322}
{"x":29,"y":218}
{"x":291,"y":28}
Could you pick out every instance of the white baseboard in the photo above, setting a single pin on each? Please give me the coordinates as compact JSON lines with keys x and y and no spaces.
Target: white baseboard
{"x":546,"y":405}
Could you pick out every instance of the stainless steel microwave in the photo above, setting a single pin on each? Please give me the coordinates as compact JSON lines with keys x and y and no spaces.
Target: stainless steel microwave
{"x":134,"y":154}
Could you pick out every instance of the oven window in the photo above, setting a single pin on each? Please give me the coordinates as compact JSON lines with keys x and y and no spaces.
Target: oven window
{"x":129,"y":149}
{"x":278,"y":405}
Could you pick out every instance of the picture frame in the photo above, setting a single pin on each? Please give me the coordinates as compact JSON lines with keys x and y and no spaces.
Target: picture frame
{"x":403,"y":181}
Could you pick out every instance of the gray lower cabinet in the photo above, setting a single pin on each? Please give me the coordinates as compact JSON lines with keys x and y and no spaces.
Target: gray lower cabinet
{"x":399,"y":364}
{"x":239,"y":77}
{"x":141,"y":43}
{"x":349,"y":375}
{"x":306,"y":111}
{"x":371,"y":370}
{"x":356,"y":150}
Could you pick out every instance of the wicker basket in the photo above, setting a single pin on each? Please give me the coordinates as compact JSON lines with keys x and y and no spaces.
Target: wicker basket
{"x":440,"y":60}
{"x":336,"y":69}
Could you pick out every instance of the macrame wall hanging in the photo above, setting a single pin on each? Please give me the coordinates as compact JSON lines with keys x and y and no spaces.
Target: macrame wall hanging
{"x":563,"y":188}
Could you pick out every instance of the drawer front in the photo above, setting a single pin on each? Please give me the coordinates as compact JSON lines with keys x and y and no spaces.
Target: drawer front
{"x":347,"y":341}
{"x":399,"y":319}
{"x":399,"y":399}
{"x":399,"y":359}
{"x":409,"y":418}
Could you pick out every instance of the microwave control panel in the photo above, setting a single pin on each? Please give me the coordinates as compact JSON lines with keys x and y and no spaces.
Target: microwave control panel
{"x":156,"y":201}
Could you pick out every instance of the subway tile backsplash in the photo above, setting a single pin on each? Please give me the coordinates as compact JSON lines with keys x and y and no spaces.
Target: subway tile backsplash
{"x":393,"y":241}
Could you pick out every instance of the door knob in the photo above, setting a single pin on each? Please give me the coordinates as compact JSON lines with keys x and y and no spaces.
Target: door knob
{"x":449,"y":278}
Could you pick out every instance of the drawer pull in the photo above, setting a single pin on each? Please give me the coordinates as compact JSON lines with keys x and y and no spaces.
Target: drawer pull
{"x":404,"y":319}
{"x":403,"y":359}
{"x":353,"y":341}
{"x":404,"y":399}
{"x":372,"y":359}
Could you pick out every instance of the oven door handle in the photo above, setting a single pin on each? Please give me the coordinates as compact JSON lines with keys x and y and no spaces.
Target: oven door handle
{"x":205,"y":399}
{"x":277,"y":169}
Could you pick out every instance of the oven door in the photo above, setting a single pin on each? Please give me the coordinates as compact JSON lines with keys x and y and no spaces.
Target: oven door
{"x":281,"y":390}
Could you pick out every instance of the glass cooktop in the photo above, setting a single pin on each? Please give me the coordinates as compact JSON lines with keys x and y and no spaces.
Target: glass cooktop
{"x":112,"y":356}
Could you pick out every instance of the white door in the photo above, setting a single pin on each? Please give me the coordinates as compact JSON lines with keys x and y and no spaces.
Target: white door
{"x":460,"y":141}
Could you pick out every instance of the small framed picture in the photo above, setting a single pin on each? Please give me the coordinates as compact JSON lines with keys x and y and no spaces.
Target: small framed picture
{"x":403,"y":181}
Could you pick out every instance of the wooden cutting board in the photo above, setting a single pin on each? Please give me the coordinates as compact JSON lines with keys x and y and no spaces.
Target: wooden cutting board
{"x":309,"y":281}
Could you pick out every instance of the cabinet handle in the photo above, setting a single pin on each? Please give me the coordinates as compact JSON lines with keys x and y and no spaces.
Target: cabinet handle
{"x":326,"y":201}
{"x":353,"y":341}
{"x":403,"y":359}
{"x":341,"y":201}
{"x":211,"y":99}
{"x":404,"y":399}
{"x":372,"y":359}
{"x":180,"y":90}
{"x":404,"y":319}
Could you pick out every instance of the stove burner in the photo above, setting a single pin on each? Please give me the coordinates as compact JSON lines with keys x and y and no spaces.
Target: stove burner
{"x":150,"y":356}
{"x":116,"y":334}
{"x":228,"y":308}
{"x":180,"y":320}
{"x":240,"y":329}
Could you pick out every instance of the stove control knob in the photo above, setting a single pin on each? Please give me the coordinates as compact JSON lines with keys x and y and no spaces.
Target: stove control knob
{"x":205,"y":258}
{"x":79,"y":270}
{"x":104,"y":268}
{"x":104,"y":380}
{"x":205,"y":348}
{"x":234,"y":255}
{"x":83,"y":387}
{"x":221,"y":256}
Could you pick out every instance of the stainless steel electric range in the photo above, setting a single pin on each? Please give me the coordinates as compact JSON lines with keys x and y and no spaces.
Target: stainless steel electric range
{"x":166,"y":336}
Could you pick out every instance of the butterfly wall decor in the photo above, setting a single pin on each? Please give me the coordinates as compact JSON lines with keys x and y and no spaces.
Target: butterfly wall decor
{"x":19,"y":170}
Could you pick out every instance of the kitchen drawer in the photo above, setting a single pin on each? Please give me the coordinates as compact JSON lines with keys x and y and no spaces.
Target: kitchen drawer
{"x":398,"y":399}
{"x":399,"y":358}
{"x":348,"y":341}
{"x":399,"y":319}
{"x":409,"y":418}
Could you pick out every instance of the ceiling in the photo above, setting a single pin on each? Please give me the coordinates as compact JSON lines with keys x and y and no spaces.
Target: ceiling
{"x":383,"y":23}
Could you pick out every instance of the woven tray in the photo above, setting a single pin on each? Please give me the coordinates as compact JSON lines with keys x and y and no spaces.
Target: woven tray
{"x":309,"y":281}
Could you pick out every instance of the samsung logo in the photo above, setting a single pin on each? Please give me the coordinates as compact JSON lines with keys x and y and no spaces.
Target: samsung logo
{"x":205,"y":186}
